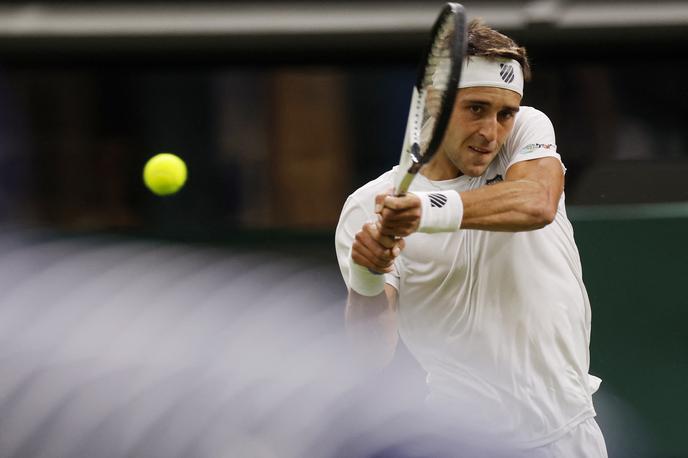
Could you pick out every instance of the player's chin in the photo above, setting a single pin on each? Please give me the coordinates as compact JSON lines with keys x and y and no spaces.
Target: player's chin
{"x":476,"y":164}
{"x":475,"y":169}
{"x":473,"y":173}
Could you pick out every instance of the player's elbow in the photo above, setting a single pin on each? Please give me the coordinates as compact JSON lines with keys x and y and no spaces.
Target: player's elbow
{"x":540,"y":210}
{"x":546,"y":214}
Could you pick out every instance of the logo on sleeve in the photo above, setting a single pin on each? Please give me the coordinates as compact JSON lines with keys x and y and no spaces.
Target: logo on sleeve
{"x":536,"y":146}
{"x":437,"y":200}
{"x":506,"y":71}
{"x":495,"y":179}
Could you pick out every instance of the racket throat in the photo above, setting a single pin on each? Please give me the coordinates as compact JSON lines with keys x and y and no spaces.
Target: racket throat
{"x":416,"y":158}
{"x":416,"y":164}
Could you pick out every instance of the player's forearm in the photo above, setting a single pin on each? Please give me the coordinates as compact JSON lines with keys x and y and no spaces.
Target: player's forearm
{"x":371,"y":324}
{"x":510,"y":206}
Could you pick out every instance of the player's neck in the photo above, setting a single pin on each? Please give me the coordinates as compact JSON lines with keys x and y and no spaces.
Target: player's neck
{"x":440,"y":169}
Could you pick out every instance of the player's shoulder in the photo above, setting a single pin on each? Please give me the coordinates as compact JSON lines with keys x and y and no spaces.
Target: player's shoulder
{"x":532,"y":130}
{"x":529,"y":116}
{"x":368,"y":191}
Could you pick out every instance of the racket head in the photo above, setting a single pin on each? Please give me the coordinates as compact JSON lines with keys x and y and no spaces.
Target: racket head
{"x":434,"y":93}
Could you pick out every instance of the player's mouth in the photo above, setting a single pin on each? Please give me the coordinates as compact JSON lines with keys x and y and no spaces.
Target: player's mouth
{"x":480,"y":150}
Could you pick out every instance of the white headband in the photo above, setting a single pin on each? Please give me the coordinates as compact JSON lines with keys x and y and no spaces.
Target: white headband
{"x":481,"y":71}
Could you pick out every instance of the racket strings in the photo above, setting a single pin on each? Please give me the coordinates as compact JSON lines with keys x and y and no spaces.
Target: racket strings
{"x":434,"y":93}
{"x":436,"y":81}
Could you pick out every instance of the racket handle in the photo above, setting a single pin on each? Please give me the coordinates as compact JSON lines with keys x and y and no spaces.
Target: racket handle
{"x":404,"y":185}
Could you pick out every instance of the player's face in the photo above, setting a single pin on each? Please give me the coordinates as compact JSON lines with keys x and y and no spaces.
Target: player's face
{"x":482,"y":119}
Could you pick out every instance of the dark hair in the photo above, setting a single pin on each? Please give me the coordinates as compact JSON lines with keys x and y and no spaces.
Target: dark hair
{"x":485,"y":41}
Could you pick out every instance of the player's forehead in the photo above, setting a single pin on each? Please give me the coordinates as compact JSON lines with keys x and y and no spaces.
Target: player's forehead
{"x":493,"y":96}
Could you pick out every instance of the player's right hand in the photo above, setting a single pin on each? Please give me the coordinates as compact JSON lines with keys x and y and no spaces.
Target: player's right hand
{"x":374,"y":250}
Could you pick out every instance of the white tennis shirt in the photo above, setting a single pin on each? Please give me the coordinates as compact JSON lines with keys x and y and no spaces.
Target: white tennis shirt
{"x":500,"y":321}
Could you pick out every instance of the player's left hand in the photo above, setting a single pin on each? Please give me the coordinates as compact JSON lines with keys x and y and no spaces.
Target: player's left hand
{"x":398,"y":216}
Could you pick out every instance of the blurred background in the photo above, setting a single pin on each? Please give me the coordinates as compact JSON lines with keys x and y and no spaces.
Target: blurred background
{"x":280,"y":110}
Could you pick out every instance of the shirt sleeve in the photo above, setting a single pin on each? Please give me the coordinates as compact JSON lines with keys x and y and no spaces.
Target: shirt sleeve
{"x":354,"y":215}
{"x":532,"y":138}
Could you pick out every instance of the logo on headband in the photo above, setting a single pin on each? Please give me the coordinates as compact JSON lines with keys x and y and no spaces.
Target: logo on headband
{"x":506,"y":71}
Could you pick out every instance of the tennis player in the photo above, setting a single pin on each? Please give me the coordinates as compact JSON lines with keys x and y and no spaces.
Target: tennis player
{"x":477,"y":270}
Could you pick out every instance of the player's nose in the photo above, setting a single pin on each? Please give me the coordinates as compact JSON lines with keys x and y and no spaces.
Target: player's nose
{"x":488,"y":130}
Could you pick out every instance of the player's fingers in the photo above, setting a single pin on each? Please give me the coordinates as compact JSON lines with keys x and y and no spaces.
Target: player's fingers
{"x":361,"y":257}
{"x":392,"y":229}
{"x":368,"y":249}
{"x":380,"y":199}
{"x":399,"y":231}
{"x":409,"y":214}
{"x":399,"y":228}
{"x":369,"y":238}
{"x":387,"y":230}
{"x":399,"y":224}
{"x":403,"y":202}
{"x":387,"y":241}
{"x":379,"y":202}
{"x":361,"y":254}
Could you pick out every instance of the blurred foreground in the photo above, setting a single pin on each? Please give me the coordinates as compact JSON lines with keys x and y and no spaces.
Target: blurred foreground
{"x":113,"y":347}
{"x":119,"y":347}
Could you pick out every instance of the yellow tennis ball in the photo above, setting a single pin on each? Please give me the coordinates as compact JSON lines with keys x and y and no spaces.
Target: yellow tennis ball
{"x":164,"y":174}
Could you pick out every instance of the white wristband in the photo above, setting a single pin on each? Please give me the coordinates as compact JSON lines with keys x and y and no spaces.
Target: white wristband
{"x":441,"y":211}
{"x":363,"y":281}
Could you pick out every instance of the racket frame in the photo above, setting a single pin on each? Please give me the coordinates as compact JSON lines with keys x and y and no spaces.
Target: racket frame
{"x":411,"y":159}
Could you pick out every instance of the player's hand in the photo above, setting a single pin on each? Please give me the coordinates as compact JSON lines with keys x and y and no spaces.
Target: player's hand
{"x":399,"y":216}
{"x":374,"y":250}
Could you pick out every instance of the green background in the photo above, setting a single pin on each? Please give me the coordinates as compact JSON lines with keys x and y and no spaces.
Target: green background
{"x":634,"y":266}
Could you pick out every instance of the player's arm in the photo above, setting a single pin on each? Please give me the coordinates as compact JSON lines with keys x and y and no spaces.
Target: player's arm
{"x":527,"y":199}
{"x":371,"y":318}
{"x":371,"y":323}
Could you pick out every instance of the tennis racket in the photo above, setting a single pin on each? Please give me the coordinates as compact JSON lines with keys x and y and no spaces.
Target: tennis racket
{"x":434,"y":93}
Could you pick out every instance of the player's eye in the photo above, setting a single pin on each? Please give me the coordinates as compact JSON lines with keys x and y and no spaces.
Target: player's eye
{"x":506,"y":115}
{"x":475,"y":109}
